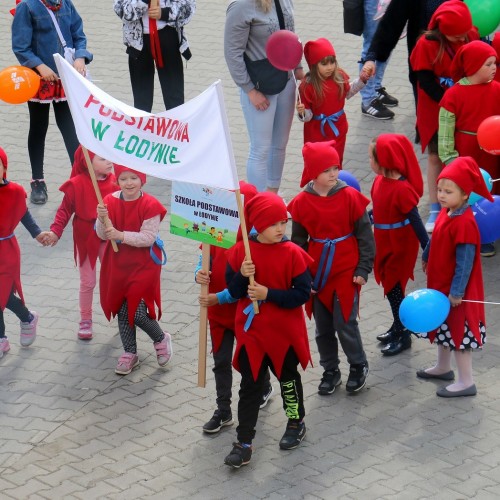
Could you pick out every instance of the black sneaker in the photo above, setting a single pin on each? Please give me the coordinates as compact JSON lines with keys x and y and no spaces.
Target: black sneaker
{"x":294,"y":434}
{"x":38,"y":194}
{"x":266,"y":396}
{"x":330,"y":380}
{"x":385,"y":98}
{"x":487,"y":249}
{"x":217,"y":422}
{"x":357,"y":377}
{"x":377,"y":110}
{"x":240,"y":455}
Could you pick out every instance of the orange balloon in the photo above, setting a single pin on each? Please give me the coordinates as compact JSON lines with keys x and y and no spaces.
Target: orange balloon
{"x":18,"y":84}
{"x":488,"y":135}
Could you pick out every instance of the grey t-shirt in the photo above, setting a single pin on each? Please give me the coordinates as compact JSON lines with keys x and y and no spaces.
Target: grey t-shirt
{"x":246,"y":31}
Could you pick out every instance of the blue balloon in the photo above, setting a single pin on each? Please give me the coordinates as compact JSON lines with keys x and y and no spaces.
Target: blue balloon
{"x":349,"y":179}
{"x":488,"y":219}
{"x":424,"y":310}
{"x":474,"y":198}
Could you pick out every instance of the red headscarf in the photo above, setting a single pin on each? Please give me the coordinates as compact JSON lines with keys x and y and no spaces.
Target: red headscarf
{"x":495,"y":43}
{"x":119,"y":169}
{"x":79,"y":163}
{"x":316,"y":50}
{"x":395,"y":152}
{"x":264,"y":210}
{"x":318,"y":157}
{"x":4,"y":160}
{"x":469,"y":59}
{"x":452,"y":18}
{"x":465,"y":173}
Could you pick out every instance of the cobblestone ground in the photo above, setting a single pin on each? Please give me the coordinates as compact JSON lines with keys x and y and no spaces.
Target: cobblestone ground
{"x":71,"y":428}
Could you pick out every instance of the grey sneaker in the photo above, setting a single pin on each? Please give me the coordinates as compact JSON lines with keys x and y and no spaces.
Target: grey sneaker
{"x":28,"y":330}
{"x":376,"y":109}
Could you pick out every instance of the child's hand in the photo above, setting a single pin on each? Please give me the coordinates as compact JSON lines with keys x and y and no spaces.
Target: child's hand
{"x":455,"y":301}
{"x":102,"y":212}
{"x":113,"y":234}
{"x":247,"y":268}
{"x":208,"y":300}
{"x":257,"y":292}
{"x":202,"y":277}
{"x":365,"y":75}
{"x":424,"y":266}
{"x":299,"y":73}
{"x":51,"y":238}
{"x":301,"y":109}
{"x":359,"y":280}
{"x":42,"y":238}
{"x":368,"y":68}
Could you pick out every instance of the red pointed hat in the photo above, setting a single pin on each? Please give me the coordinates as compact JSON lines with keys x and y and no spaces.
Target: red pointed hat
{"x":316,"y":50}
{"x":452,"y":18}
{"x":79,"y":163}
{"x":465,"y":173}
{"x":318,"y":157}
{"x":264,"y":210}
{"x":395,"y":152}
{"x":495,"y":43}
{"x":119,"y":169}
{"x":4,"y":160}
{"x":469,"y":59}
{"x":248,"y":191}
{"x":13,"y":11}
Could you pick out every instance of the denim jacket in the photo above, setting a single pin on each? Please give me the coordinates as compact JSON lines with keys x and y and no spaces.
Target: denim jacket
{"x":35,"y":39}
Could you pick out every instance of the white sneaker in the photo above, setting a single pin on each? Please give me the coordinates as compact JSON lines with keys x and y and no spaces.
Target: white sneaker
{"x":28,"y":330}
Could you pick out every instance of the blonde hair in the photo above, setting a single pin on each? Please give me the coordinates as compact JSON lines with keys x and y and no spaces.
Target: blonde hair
{"x":437,"y":36}
{"x":338,"y":76}
{"x":264,"y":5}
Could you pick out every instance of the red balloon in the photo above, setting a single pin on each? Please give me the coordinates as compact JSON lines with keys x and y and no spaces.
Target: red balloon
{"x":18,"y":84}
{"x":488,"y":135}
{"x":284,"y":50}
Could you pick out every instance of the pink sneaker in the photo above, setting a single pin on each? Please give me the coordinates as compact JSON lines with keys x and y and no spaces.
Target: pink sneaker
{"x":164,"y":350}
{"x":4,"y":346}
{"x":85,"y":330}
{"x":28,"y":330}
{"x":127,"y":362}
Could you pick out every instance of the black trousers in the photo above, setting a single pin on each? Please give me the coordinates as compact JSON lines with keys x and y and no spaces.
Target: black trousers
{"x":142,"y":72}
{"x":39,"y":124}
{"x":14,"y":304}
{"x":251,"y":392}
{"x":223,"y":372}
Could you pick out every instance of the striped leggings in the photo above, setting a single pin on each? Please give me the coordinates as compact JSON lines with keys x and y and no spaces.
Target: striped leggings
{"x":143,"y":321}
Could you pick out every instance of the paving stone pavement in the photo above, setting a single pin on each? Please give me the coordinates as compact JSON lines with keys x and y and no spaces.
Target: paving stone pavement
{"x":72,"y":429}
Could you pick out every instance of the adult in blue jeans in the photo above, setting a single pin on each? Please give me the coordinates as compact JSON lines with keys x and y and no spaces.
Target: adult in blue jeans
{"x":249,"y":24}
{"x":375,"y":100}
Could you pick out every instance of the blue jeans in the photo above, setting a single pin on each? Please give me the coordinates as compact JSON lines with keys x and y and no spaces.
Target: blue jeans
{"x":268,"y":133}
{"x":368,"y":93}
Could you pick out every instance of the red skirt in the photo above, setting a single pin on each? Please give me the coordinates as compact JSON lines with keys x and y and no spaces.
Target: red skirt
{"x":49,"y":91}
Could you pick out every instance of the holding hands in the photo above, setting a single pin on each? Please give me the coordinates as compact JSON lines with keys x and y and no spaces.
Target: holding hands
{"x":359,"y":280}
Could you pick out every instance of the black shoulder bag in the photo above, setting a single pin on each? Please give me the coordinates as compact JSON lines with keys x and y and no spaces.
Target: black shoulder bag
{"x":266,"y":78}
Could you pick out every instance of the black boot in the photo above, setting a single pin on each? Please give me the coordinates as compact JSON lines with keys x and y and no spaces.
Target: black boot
{"x":387,"y":337}
{"x":401,"y":342}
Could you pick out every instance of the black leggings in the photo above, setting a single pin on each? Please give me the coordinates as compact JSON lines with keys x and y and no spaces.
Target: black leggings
{"x":39,"y":124}
{"x":14,"y":304}
{"x":395,"y":297}
{"x":143,"y":321}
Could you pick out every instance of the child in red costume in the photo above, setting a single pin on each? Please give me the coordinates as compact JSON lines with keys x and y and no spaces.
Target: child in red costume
{"x":450,"y":27}
{"x":323,"y":94}
{"x":398,"y":229}
{"x":130,"y":278}
{"x":13,"y":203}
{"x":330,"y":222}
{"x":221,"y":313}
{"x":276,"y":338}
{"x":453,"y":267}
{"x":80,"y":199}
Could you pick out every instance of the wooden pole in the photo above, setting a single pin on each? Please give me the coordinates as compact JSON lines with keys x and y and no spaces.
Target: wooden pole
{"x":202,"y":343}
{"x":107,"y":222}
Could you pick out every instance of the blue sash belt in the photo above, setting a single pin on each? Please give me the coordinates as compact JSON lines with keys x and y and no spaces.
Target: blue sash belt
{"x":7,"y":237}
{"x":159,"y":243}
{"x":331,"y":122}
{"x":396,"y":225}
{"x":248,"y":311}
{"x":446,"y":82}
{"x":326,"y":259}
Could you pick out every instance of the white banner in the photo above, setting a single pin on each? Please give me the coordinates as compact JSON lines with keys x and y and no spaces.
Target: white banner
{"x":190,"y":143}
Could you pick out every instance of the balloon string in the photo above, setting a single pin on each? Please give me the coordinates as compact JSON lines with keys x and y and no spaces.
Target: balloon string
{"x":494,"y":180}
{"x":481,"y":302}
{"x":297,"y":90}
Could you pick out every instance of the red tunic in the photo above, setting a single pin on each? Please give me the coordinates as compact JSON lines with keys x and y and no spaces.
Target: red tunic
{"x":332,"y":217}
{"x":221,"y":317}
{"x":331,"y":104}
{"x":130,"y":274}
{"x":448,"y":233}
{"x":397,"y":249}
{"x":275,"y":329}
{"x":13,"y":203}
{"x":423,"y":58}
{"x":80,"y":199}
{"x":471,"y":104}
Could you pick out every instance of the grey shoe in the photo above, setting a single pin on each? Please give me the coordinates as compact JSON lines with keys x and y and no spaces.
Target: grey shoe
{"x":445,"y":393}
{"x":441,"y":376}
